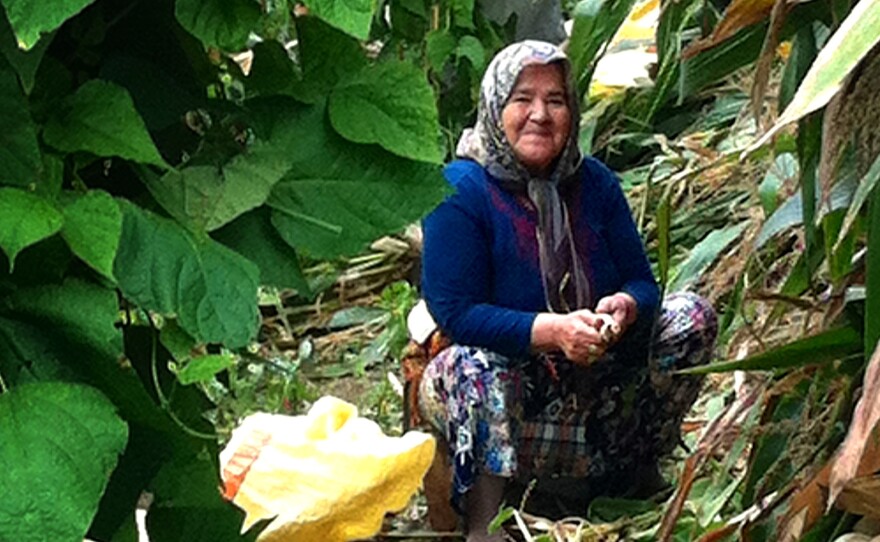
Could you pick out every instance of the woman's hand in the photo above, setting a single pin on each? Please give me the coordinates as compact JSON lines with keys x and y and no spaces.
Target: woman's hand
{"x":576,"y":334}
{"x":621,"y":307}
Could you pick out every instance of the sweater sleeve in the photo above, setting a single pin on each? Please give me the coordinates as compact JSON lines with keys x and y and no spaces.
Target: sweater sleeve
{"x":457,"y":271}
{"x":627,"y":250}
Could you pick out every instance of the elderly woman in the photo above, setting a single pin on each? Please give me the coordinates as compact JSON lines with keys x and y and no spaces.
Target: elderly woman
{"x":534,"y":269}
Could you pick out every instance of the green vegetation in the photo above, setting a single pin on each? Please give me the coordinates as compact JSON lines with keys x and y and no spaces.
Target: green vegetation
{"x":183,"y":227}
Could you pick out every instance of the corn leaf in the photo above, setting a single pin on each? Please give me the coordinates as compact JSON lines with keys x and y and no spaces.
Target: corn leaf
{"x":857,"y":35}
{"x":823,"y":347}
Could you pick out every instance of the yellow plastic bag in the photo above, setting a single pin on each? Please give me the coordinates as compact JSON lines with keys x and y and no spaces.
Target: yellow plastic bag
{"x":328,"y":475}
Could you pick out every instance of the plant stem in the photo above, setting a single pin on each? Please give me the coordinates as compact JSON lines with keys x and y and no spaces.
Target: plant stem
{"x":3,"y":388}
{"x":163,"y":399}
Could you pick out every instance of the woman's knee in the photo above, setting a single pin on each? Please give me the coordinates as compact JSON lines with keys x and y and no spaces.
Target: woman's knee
{"x":688,"y":314}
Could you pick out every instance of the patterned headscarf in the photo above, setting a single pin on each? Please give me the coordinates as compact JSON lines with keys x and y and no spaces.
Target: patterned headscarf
{"x":565,"y":284}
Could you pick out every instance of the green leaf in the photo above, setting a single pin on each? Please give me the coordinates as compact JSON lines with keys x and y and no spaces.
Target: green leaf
{"x":212,"y":290}
{"x":770,"y":463}
{"x":19,"y":150}
{"x":864,"y":189}
{"x":663,"y":228}
{"x":327,"y":57}
{"x":253,"y":236}
{"x":60,"y":443}
{"x":390,"y":104}
{"x":203,"y":368}
{"x":719,"y":62}
{"x":351,"y":16}
{"x":803,"y":53}
{"x":595,"y":23}
{"x":823,"y":347}
{"x":178,"y":342}
{"x":100,"y":118}
{"x":439,"y":46}
{"x":500,"y":519}
{"x":463,"y":13}
{"x":187,"y":506}
{"x":25,"y":63}
{"x":408,"y":19}
{"x":220,"y":23}
{"x":608,"y":509}
{"x":355,"y":316}
{"x":30,"y":18}
{"x":92,"y":226}
{"x":338,"y":196}
{"x":206,"y":198}
{"x":704,"y":254}
{"x":852,"y":40}
{"x":784,"y":168}
{"x":787,"y":215}
{"x":872,"y":278}
{"x":809,"y":145}
{"x":272,"y":70}
{"x":670,"y":28}
{"x":790,"y":213}
{"x":470,"y":48}
{"x":24,"y":220}
{"x":73,"y":325}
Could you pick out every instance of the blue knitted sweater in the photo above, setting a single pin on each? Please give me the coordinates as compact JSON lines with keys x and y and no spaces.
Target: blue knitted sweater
{"x":480,"y":270}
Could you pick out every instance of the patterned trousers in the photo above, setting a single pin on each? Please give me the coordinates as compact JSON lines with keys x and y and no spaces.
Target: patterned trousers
{"x":547,"y":416}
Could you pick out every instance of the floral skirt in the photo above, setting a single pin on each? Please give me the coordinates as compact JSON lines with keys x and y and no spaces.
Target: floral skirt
{"x":547,"y":416}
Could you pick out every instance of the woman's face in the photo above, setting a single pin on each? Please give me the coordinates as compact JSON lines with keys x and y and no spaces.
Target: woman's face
{"x":536,"y":118}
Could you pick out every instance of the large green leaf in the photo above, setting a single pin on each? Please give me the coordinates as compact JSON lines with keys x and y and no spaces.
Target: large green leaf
{"x":100,"y":118}
{"x":30,"y":18}
{"x":92,"y":226}
{"x":390,"y":104}
{"x":221,"y":23}
{"x":823,"y":347}
{"x":73,"y":326}
{"x":19,"y":150}
{"x":351,"y":16}
{"x":253,"y":236}
{"x":24,"y":220}
{"x":855,"y":37}
{"x":60,"y":443}
{"x":211,"y":290}
{"x":205,"y":197}
{"x":340,"y":196}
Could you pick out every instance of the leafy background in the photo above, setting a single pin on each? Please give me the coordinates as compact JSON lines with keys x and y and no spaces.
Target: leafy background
{"x":183,"y":183}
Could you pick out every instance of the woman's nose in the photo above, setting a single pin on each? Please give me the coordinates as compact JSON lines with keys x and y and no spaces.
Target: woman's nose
{"x":538,"y":111}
